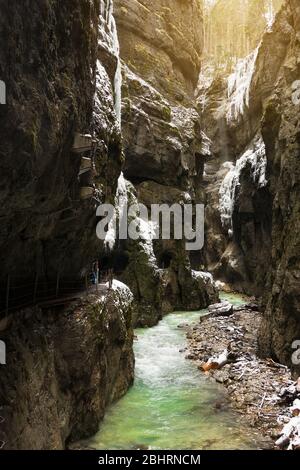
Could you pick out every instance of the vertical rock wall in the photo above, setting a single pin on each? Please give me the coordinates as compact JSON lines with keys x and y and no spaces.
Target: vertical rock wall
{"x":161,"y":45}
{"x":55,"y":89}
{"x":231,"y":116}
{"x":261,"y":253}
{"x":281,"y":131}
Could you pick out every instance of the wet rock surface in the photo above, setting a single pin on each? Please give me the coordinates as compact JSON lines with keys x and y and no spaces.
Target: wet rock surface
{"x":281,"y":126}
{"x":259,"y":254}
{"x":159,"y":272}
{"x":64,"y":367}
{"x":60,"y":69}
{"x":241,"y":256}
{"x":162,"y":142}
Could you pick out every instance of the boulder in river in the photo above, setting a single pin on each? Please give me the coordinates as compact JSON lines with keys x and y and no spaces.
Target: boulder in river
{"x":221,"y":309}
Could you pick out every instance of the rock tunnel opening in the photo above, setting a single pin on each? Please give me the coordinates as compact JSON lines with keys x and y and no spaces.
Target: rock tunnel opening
{"x":118,"y":261}
{"x":165,"y":260}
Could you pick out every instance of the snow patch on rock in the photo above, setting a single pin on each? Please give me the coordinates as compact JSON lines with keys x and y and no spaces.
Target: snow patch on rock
{"x":255,"y":157}
{"x":239,"y":83}
{"x":203,"y":275}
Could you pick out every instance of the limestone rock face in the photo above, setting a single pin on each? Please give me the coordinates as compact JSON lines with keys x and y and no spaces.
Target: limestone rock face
{"x":59,"y":62}
{"x":281,"y":130}
{"x":260,"y":254}
{"x":162,"y":142}
{"x":158,"y":272}
{"x":162,"y":42}
{"x":64,"y":367}
{"x":242,"y":257}
{"x":59,"y":68}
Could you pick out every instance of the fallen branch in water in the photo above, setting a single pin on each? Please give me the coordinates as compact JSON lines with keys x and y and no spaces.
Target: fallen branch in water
{"x":217,"y":362}
{"x":272,"y":363}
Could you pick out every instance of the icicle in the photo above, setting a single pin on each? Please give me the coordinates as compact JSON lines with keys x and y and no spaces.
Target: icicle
{"x":116,"y":49}
{"x":269,"y":15}
{"x":109,"y":11}
{"x":255,"y":156}
{"x":118,"y":75}
{"x":108,"y":23}
{"x":121,"y":202}
{"x":125,"y":195}
{"x":102,"y":8}
{"x":239,"y":83}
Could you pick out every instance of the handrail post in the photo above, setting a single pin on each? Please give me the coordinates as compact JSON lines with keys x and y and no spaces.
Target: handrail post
{"x":97,"y":275}
{"x":35,"y":287}
{"x":86,"y":284}
{"x":57,"y":284}
{"x":7,"y":295}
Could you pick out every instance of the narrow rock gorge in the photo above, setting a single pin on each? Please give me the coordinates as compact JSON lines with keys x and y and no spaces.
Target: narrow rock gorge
{"x":128,"y":102}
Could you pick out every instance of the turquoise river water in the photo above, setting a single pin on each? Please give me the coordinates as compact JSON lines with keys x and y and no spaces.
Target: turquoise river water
{"x":172,"y":405}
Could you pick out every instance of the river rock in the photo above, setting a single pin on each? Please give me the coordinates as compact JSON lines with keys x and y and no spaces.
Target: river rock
{"x":222,"y":309}
{"x":254,"y":306}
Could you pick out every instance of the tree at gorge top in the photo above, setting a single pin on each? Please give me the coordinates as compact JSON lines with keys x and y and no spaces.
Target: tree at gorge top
{"x":233,"y":28}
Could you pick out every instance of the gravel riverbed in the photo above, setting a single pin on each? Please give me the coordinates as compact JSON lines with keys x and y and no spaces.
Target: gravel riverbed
{"x":260,"y":389}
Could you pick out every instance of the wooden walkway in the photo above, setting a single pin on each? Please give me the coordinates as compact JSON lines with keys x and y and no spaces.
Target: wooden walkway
{"x":56,"y":299}
{"x":93,"y":290}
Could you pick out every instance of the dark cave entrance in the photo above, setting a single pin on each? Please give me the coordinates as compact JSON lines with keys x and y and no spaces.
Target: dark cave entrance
{"x":165,"y":259}
{"x":118,"y":261}
{"x":197,"y":260}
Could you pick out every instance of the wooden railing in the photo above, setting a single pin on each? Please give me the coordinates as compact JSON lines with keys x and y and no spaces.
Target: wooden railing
{"x":14,"y":296}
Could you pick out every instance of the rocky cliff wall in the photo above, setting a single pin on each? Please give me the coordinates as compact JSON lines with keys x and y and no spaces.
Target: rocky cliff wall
{"x":161,"y":46}
{"x":281,"y":131}
{"x":55,"y":89}
{"x":239,"y":250}
{"x":162,"y":42}
{"x":64,"y":367}
{"x":254,"y":186}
